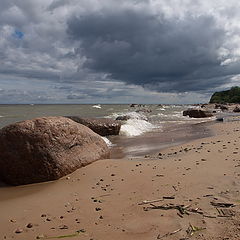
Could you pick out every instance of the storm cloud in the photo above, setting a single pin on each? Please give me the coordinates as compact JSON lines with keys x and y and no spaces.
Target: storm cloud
{"x":123,"y":51}
{"x":146,"y":49}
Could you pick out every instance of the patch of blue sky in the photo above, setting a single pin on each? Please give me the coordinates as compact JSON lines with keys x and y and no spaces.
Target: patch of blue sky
{"x":18,"y":34}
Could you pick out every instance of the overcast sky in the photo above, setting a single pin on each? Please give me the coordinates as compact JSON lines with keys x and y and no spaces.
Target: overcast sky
{"x":124,"y":51}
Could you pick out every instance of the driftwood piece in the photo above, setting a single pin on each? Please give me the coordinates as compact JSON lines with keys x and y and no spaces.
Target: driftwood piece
{"x":222,"y":204}
{"x":150,"y":201}
{"x":225,"y":212}
{"x":193,"y":229}
{"x":181,"y":208}
{"x":156,"y":200}
{"x":209,"y":216}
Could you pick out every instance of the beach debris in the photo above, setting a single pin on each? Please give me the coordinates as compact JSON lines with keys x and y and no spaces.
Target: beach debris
{"x":180,"y":215}
{"x":193,"y":229}
{"x":150,"y":201}
{"x":41,"y":236}
{"x":208,"y":195}
{"x":29,"y":225}
{"x":182,"y":209}
{"x":63,"y":227}
{"x":168,"y":197}
{"x":63,"y":236}
{"x":156,"y":200}
{"x":222,"y":204}
{"x":18,"y":230}
{"x":195,"y":210}
{"x":169,"y":234}
{"x":105,"y":195}
{"x":209,"y":216}
{"x":225,"y":212}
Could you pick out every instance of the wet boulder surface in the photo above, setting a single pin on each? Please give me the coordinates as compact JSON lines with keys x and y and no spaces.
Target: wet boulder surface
{"x":47,"y":148}
{"x":101,"y":126}
{"x":197,"y":113}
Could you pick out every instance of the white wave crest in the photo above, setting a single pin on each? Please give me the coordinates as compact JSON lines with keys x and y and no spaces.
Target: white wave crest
{"x":135,"y":127}
{"x":136,"y":115}
{"x":97,"y":106}
{"x":131,"y":115}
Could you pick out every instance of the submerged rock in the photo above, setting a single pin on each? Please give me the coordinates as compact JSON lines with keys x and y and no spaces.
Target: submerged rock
{"x":197,"y":113}
{"x":236,"y":109}
{"x":123,"y":118}
{"x":133,"y":105}
{"x":47,"y":148}
{"x":136,"y":115}
{"x":101,"y":126}
{"x":221,"y":106}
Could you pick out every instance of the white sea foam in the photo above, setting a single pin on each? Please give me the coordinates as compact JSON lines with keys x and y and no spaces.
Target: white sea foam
{"x":107,"y":141}
{"x":135,"y":127}
{"x":97,"y":106}
{"x":131,"y":115}
{"x":137,"y":115}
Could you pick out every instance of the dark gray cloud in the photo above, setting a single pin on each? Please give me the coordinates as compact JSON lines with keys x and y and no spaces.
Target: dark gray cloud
{"x":145,"y":49}
{"x":118,"y":51}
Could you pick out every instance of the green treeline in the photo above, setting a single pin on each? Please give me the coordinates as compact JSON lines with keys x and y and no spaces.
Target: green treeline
{"x":229,"y":96}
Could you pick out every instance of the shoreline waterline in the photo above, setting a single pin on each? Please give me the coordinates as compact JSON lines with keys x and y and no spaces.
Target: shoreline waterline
{"x":159,"y":139}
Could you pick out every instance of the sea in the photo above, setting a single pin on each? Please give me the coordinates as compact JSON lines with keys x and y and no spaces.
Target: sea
{"x":150,"y":128}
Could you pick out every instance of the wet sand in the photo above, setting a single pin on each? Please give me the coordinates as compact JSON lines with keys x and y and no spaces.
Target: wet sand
{"x":196,"y":186}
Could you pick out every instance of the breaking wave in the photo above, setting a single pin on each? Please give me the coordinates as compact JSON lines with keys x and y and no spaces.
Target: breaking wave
{"x":136,"y":125}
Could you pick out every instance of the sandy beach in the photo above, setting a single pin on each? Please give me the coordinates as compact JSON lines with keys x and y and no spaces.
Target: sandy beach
{"x":188,"y":191}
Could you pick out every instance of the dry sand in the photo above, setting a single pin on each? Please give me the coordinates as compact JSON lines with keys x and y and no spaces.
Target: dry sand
{"x":102,"y":199}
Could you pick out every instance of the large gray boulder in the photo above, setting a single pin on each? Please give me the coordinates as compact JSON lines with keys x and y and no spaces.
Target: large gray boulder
{"x":46,"y":149}
{"x":101,"y":126}
{"x":197,"y":113}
